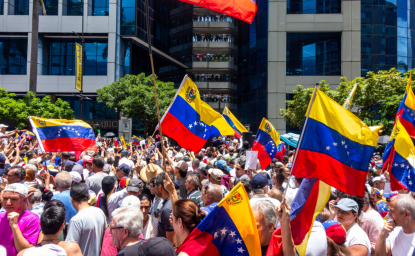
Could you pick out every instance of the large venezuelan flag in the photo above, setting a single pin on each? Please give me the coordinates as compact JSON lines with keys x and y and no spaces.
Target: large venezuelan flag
{"x":190,"y":121}
{"x":266,"y":143}
{"x":234,"y":123}
{"x":310,"y":200}
{"x":57,"y":135}
{"x":229,"y":229}
{"x":406,"y":111}
{"x":241,"y":9}
{"x":399,"y":158}
{"x":336,"y":147}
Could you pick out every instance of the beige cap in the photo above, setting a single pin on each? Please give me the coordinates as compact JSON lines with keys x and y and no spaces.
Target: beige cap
{"x":182,"y":165}
{"x":216,"y":174}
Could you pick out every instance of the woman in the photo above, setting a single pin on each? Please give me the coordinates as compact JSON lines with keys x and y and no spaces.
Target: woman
{"x":108,"y":186}
{"x":336,"y":237}
{"x":372,"y":223}
{"x":150,"y":223}
{"x":30,"y":178}
{"x":356,"y":239}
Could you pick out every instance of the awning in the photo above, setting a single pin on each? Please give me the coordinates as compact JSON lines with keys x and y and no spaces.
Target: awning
{"x":291,"y":139}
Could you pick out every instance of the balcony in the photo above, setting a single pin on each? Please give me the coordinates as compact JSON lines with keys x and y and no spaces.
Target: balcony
{"x":214,"y":24}
{"x":213,"y":65}
{"x":215,"y":85}
{"x":214,"y":45}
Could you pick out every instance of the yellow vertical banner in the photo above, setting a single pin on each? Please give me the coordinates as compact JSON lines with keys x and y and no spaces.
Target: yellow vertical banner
{"x":123,"y":142}
{"x":78,"y":67}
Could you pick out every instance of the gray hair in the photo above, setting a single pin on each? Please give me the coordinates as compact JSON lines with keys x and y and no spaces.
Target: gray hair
{"x":192,"y":178}
{"x":31,"y":167}
{"x":131,"y":218}
{"x":196,"y":162}
{"x":366,"y":199}
{"x":259,"y":190}
{"x":36,"y":197}
{"x":107,"y":168}
{"x":267,"y":208}
{"x":63,"y":180}
{"x":405,"y":203}
{"x":215,"y":191}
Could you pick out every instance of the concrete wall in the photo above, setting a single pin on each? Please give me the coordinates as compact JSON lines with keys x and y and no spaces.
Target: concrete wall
{"x":347,"y":22}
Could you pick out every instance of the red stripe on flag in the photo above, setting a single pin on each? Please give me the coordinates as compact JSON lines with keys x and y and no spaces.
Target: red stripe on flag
{"x":69,"y":144}
{"x":409,"y":127}
{"x":263,"y":156}
{"x":198,"y":243}
{"x":396,"y":184}
{"x":237,"y":135}
{"x":310,"y":164}
{"x":173,"y":128}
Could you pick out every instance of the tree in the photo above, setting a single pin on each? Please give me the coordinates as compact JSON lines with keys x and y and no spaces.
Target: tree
{"x":18,"y":110}
{"x":383,"y":90}
{"x":133,"y":95}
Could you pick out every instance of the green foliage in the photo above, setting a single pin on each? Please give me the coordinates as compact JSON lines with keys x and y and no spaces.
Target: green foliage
{"x":18,"y":110}
{"x":384,"y":89}
{"x":133,"y":95}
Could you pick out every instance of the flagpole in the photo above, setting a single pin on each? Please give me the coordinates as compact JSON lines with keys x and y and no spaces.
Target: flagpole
{"x":301,"y":137}
{"x":154,"y":82}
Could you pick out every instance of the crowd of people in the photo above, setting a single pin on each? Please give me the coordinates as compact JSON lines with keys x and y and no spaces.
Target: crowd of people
{"x":116,"y":201}
{"x":215,"y":97}
{"x":212,"y":57}
{"x":210,"y":77}
{"x":212,"y":17}
{"x":209,"y":37}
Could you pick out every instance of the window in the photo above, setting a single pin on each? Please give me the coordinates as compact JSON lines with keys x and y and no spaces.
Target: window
{"x":13,"y":54}
{"x":128,"y":17}
{"x":62,"y":57}
{"x":313,"y":54}
{"x":100,"y":8}
{"x":313,"y":6}
{"x":91,"y":109}
{"x":51,"y":7}
{"x":75,"y":7}
{"x":1,"y":7}
{"x":19,"y":7}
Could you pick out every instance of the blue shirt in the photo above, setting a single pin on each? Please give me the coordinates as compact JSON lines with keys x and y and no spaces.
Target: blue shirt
{"x":65,"y":198}
{"x":209,"y":208}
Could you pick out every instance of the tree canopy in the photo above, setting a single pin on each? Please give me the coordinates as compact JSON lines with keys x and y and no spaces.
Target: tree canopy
{"x":133,"y":96}
{"x":18,"y":110}
{"x":382,"y":91}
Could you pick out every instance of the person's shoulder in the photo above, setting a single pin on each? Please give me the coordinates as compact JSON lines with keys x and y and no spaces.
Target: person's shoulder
{"x":29,"y":216}
{"x":71,"y":248}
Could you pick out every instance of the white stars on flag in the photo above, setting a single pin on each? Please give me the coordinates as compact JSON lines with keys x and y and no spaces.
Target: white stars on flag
{"x":403,"y":165}
{"x":345,"y":146}
{"x":190,"y":126}
{"x":343,"y":142}
{"x":238,"y":241}
{"x":241,"y":250}
{"x":335,"y":144}
{"x":223,"y":231}
{"x":232,"y":234}
{"x":328,"y":148}
{"x":195,"y":123}
{"x":396,"y":165}
{"x":216,"y":235}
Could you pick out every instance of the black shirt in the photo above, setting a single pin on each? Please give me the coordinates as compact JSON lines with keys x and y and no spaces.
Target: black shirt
{"x":264,"y":250}
{"x":122,"y":251}
{"x":2,"y":167}
{"x":164,"y":220}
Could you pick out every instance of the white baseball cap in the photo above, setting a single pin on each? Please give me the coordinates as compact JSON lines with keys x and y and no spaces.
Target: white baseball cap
{"x":3,"y":126}
{"x":17,"y":188}
{"x":75,"y":176}
{"x":131,"y":201}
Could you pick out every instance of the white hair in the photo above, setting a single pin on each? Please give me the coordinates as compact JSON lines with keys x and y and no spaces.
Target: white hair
{"x":129,"y":217}
{"x":267,"y":209}
{"x":63,"y":179}
{"x":405,"y":203}
{"x":36,"y":197}
{"x":31,"y":167}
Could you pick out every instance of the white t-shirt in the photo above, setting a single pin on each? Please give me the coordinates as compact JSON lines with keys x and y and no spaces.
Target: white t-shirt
{"x":47,"y":249}
{"x":317,"y":243}
{"x":356,"y":235}
{"x":401,"y":244}
{"x":4,"y":140}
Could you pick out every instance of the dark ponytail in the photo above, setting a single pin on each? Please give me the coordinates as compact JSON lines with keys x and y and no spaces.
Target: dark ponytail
{"x":189,"y":212}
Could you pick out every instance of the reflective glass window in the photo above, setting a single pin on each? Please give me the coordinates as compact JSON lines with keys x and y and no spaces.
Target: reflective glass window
{"x":75,"y":7}
{"x":313,"y":6}
{"x":1,"y":6}
{"x":51,"y":7}
{"x":100,"y":7}
{"x":21,"y":7}
{"x":13,"y":55}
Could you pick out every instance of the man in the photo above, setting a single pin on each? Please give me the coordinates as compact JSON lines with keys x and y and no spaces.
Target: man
{"x":195,"y":164}
{"x":215,"y":177}
{"x":125,"y":160}
{"x":87,"y":227}
{"x":165,"y":229}
{"x":401,"y":240}
{"x":16,"y":174}
{"x":200,"y":158}
{"x":134,"y":188}
{"x":94,"y":182}
{"x":125,"y":227}
{"x":192,"y":185}
{"x":265,"y":217}
{"x":19,"y":227}
{"x":35,"y":203}
{"x":122,"y":171}
{"x":52,"y":223}
{"x":180,"y":170}
{"x":211,"y":196}
{"x":4,"y":135}
{"x":4,"y":163}
{"x":277,"y":181}
{"x":157,"y":201}
{"x":63,"y":182}
{"x":259,"y":185}
{"x":291,"y":183}
{"x":240,"y":170}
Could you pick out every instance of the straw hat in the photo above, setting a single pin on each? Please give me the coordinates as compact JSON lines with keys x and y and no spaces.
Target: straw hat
{"x":150,"y":171}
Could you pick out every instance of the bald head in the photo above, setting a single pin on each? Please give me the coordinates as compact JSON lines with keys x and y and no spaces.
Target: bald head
{"x":214,"y":194}
{"x":63,"y":180}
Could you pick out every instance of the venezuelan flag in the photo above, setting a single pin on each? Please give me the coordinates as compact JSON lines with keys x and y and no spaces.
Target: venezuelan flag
{"x":136,"y":140}
{"x":57,"y":135}
{"x":123,"y":142}
{"x":280,"y":152}
{"x":266,"y":143}
{"x":348,"y":102}
{"x":243,"y":9}
{"x":406,"y":111}
{"x":190,"y":121}
{"x":336,"y":147}
{"x":234,"y":123}
{"x":148,"y":142}
{"x":399,"y":158}
{"x":229,"y":229}
{"x":29,"y":135}
{"x":128,"y":145}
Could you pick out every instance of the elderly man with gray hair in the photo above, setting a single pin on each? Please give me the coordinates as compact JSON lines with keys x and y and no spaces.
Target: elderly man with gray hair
{"x":35,"y":203}
{"x":266,"y":218}
{"x":63,"y":182}
{"x":125,"y":227}
{"x":398,"y":236}
{"x":192,"y":185}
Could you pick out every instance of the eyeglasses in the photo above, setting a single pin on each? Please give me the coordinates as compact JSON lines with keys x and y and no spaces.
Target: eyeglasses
{"x":237,"y":168}
{"x":112,"y":228}
{"x":145,"y":207}
{"x":152,"y":185}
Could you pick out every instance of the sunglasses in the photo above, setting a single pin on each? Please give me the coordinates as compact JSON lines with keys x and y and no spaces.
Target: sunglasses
{"x":237,"y":168}
{"x":145,"y":207}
